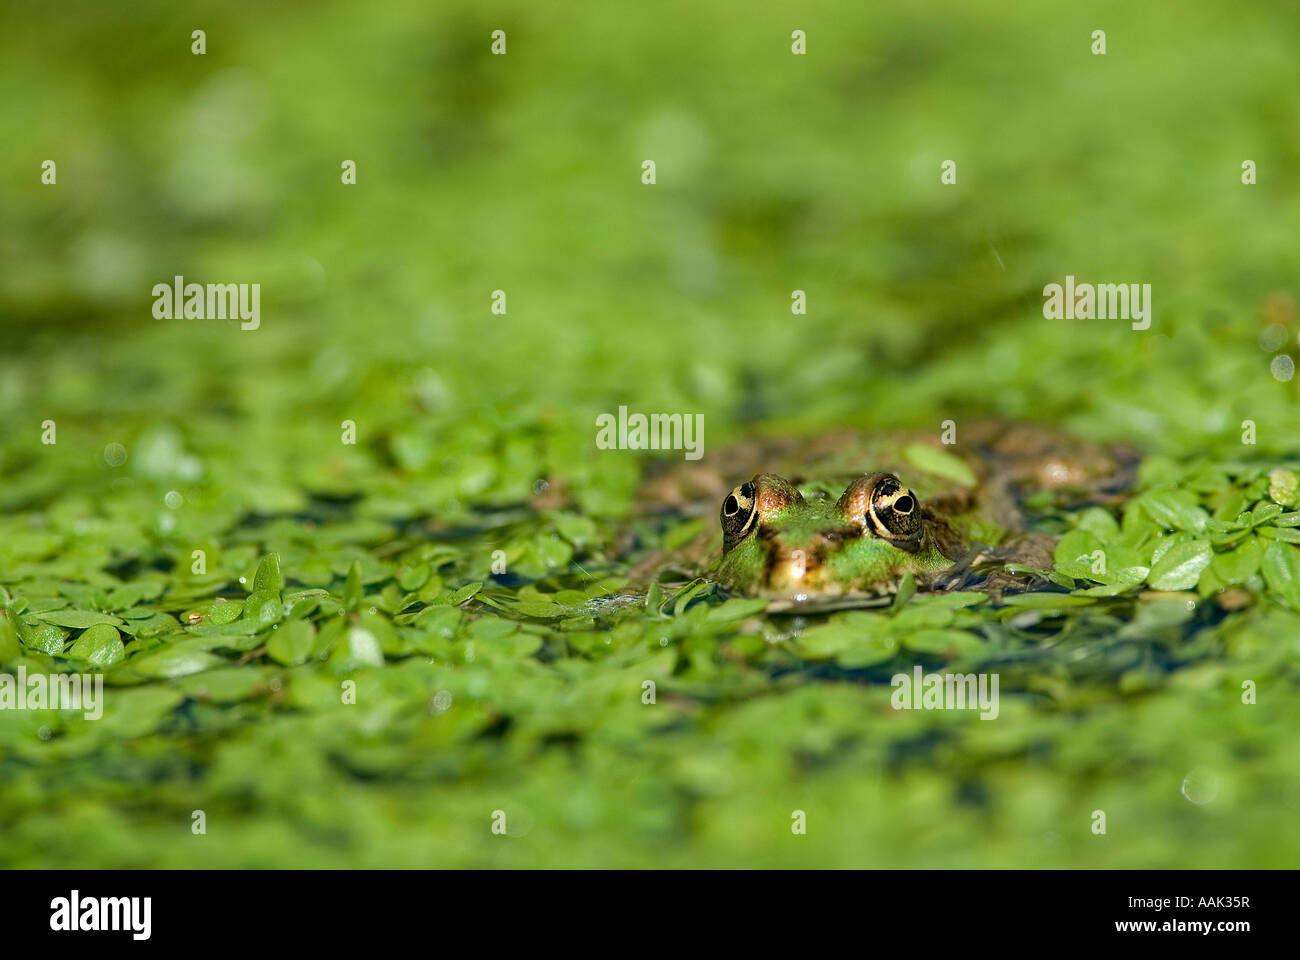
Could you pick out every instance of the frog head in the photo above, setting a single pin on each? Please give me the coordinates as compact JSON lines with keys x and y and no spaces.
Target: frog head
{"x":776,"y":543}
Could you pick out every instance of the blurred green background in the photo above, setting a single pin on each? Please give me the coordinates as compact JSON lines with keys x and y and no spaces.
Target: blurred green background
{"x":522,"y":173}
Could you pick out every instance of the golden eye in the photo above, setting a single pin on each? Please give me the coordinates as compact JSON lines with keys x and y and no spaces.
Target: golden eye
{"x":892,"y":512}
{"x":752,"y":504}
{"x":738,"y":512}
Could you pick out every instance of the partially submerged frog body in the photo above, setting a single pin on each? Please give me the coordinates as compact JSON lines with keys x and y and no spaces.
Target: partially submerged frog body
{"x":841,"y":520}
{"x":777,"y":543}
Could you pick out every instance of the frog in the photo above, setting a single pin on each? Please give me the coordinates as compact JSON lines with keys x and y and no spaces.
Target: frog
{"x":778,"y":543}
{"x":848,"y":518}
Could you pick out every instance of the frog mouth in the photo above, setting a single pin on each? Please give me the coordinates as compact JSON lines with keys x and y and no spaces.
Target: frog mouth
{"x":800,"y":604}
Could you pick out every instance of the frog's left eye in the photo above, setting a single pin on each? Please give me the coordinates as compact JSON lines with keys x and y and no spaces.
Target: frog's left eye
{"x":888,"y":509}
{"x":891,"y":509}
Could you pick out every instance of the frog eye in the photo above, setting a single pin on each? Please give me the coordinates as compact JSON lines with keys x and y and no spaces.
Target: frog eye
{"x":892,"y":510}
{"x":885,"y":508}
{"x":739,"y":510}
{"x":765,"y":497}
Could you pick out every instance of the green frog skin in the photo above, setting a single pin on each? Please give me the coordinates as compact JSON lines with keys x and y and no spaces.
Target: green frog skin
{"x":811,"y":530}
{"x":777,"y":543}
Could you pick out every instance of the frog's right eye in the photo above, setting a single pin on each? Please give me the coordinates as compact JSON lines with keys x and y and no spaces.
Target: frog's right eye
{"x":739,"y":511}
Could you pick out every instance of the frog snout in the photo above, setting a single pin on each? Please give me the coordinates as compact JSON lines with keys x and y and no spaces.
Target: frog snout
{"x":792,"y":566}
{"x":795,"y":569}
